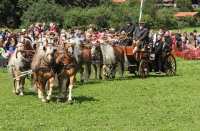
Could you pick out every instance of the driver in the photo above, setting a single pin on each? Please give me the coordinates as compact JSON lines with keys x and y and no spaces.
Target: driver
{"x":140,"y":36}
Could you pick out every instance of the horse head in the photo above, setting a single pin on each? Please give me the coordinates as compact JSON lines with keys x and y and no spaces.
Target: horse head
{"x":68,"y":47}
{"x":61,"y":56}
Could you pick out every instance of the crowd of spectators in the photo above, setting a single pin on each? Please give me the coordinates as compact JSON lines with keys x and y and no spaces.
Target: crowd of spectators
{"x":124,"y":36}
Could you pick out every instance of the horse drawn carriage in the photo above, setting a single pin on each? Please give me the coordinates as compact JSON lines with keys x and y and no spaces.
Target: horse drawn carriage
{"x":143,"y":62}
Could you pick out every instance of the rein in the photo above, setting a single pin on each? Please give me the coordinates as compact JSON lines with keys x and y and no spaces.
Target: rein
{"x":68,"y":66}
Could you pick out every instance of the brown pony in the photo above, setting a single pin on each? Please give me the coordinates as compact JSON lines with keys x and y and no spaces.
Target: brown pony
{"x":82,"y":55}
{"x":66,"y":68}
{"x":111,"y":57}
{"x":42,"y":68}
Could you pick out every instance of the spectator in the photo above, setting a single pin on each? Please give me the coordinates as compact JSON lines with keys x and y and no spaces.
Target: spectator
{"x":158,"y":53}
{"x":167,"y":46}
{"x":198,"y":41}
{"x":184,"y":40}
{"x":128,"y":28}
{"x":195,"y":37}
{"x":53,"y":28}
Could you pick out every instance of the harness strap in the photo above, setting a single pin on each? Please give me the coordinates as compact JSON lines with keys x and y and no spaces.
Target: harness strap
{"x":68,"y":66}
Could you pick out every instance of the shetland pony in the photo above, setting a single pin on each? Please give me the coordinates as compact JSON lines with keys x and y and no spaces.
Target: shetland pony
{"x":42,"y":68}
{"x":19,"y":62}
{"x":66,"y":68}
{"x":111,"y":57}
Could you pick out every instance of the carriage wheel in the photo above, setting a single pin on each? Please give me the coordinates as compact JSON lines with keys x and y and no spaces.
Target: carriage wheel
{"x":170,"y":65}
{"x":143,"y":70}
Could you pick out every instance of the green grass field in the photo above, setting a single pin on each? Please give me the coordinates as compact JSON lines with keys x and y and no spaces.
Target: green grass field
{"x":155,"y":103}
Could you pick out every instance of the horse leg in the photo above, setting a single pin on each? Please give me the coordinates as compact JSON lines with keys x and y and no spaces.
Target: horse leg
{"x":37,"y":86}
{"x":51,"y":85}
{"x":41,"y":90}
{"x":71,"y":84}
{"x":63,"y":88}
{"x":95,"y":70}
{"x":14,"y":81}
{"x":81,"y":74}
{"x":87,"y":71}
{"x":14,"y":86}
{"x":16,"y":73}
{"x":113,"y":71}
{"x":100,"y":71}
{"x":104,"y":71}
{"x":122,"y":69}
{"x":22,"y":82}
{"x":17,"y":83}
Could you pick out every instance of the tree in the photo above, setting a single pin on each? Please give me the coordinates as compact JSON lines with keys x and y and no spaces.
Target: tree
{"x":8,"y":13}
{"x":43,"y":11}
{"x":184,"y":5}
{"x":150,"y":8}
{"x":80,"y":3}
{"x":165,"y":18}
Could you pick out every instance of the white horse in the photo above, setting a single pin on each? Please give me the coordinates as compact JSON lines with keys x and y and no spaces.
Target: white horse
{"x":20,"y":62}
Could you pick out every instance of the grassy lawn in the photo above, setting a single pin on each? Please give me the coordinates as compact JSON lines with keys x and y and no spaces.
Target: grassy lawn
{"x":155,"y":103}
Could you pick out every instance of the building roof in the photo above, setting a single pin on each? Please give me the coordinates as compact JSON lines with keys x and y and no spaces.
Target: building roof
{"x":119,"y":1}
{"x":186,"y":14}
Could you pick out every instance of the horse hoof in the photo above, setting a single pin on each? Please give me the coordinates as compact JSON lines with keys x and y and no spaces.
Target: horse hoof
{"x":70,"y":102}
{"x":82,"y":81}
{"x":21,"y":94}
{"x":15,"y":93}
{"x":44,"y":101}
{"x":48,"y":98}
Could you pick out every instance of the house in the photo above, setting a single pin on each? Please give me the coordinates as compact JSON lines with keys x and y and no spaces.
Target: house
{"x":118,"y":1}
{"x":186,"y":14}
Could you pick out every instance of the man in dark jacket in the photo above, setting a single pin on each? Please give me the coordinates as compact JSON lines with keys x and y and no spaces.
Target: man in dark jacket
{"x":158,"y":53}
{"x":140,"y":36}
{"x":167,"y":46}
{"x":128,"y":29}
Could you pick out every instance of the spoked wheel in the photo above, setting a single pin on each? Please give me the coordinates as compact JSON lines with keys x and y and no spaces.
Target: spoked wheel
{"x":170,"y":65}
{"x":143,"y":70}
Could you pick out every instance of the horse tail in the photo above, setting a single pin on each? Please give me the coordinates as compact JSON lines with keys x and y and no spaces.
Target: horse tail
{"x":108,"y":54}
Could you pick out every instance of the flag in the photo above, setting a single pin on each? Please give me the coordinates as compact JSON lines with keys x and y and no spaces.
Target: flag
{"x":141,"y":8}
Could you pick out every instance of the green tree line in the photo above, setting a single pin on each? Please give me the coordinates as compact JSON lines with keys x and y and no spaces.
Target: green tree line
{"x":103,"y":13}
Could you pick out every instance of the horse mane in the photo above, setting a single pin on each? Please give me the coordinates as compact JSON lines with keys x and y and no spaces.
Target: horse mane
{"x":39,"y":54}
{"x":27,"y":44}
{"x":15,"y":62}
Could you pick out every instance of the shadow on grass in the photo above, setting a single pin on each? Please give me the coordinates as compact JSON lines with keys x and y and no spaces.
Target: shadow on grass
{"x":91,"y":82}
{"x":162,"y":75}
{"x":133,"y":77}
{"x":30,"y":93}
{"x":75,"y":100}
{"x":81,"y":99}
